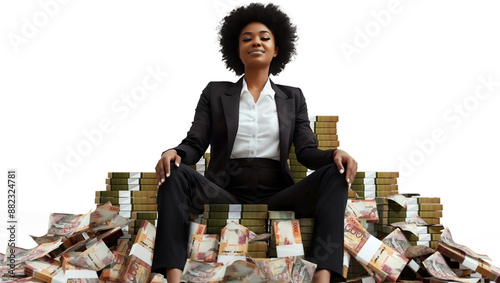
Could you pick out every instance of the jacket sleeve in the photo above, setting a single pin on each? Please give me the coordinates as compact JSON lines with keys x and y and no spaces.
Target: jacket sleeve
{"x":192,"y":148}
{"x":304,"y":139}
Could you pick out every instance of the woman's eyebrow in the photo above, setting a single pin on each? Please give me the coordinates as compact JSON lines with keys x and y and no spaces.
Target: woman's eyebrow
{"x":250,"y":33}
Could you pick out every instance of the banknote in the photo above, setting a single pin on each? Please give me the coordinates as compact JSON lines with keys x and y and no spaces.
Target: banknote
{"x":66,"y":224}
{"x":437,"y":267}
{"x":288,"y":238}
{"x":197,"y":271}
{"x":382,"y":259}
{"x":30,"y":254}
{"x":204,"y":247}
{"x":398,"y":241}
{"x":363,"y":210}
{"x":303,"y":271}
{"x":233,"y":243}
{"x":448,"y":239}
{"x":95,"y":257}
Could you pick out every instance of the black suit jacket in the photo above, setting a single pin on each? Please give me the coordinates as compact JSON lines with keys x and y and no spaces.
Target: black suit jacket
{"x":216,"y":123}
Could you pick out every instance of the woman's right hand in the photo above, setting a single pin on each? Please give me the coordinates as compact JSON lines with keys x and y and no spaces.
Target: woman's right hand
{"x":163,"y":166}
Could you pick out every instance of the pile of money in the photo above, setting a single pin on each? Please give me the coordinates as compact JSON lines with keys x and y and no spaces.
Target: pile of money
{"x":135,"y":194}
{"x":252,"y":216}
{"x":418,"y":217}
{"x":325,"y":129}
{"x":276,"y":217}
{"x":85,"y":248}
{"x":369,"y":185}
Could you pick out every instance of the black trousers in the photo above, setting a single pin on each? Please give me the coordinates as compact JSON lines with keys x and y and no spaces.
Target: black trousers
{"x":321,"y":195}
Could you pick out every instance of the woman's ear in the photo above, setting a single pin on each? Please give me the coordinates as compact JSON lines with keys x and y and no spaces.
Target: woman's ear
{"x":275,"y":51}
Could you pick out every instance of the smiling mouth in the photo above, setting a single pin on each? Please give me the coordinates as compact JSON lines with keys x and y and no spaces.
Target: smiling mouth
{"x":259,"y":51}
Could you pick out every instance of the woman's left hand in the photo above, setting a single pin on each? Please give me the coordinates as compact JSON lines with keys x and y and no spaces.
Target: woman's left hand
{"x":341,"y":158}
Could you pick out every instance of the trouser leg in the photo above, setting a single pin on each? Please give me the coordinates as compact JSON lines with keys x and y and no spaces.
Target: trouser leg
{"x":322,"y":196}
{"x":183,"y":192}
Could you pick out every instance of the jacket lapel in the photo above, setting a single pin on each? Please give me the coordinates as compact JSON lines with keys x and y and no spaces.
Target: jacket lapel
{"x":285,"y":110}
{"x":231,"y":107}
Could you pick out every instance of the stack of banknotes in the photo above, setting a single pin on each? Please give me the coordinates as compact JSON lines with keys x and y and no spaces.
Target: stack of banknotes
{"x":325,"y":129}
{"x":276,"y":217}
{"x":369,"y":185}
{"x":135,"y":194}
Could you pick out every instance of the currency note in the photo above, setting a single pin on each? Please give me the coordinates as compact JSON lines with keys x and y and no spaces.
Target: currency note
{"x":288,"y":238}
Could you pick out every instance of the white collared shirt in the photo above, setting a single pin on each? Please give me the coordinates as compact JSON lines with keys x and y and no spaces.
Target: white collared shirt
{"x":258,"y":127}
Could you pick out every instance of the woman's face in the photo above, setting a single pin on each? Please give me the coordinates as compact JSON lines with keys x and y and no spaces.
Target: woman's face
{"x":256,"y":46}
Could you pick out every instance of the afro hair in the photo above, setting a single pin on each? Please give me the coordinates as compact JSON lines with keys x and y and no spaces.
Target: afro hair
{"x":284,"y":32}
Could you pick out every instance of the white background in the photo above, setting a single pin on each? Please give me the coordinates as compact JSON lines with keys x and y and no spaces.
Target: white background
{"x":422,"y":59}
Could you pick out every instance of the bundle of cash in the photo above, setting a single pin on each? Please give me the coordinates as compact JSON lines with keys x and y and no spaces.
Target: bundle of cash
{"x":419,"y":218}
{"x":204,"y":247}
{"x":400,"y":243}
{"x":139,"y":261}
{"x":325,"y":129}
{"x":438,"y":268}
{"x":385,"y":262}
{"x":466,"y":257}
{"x":233,"y":243}
{"x":276,"y":217}
{"x":288,"y":238}
{"x":134,"y":193}
{"x":252,"y":216}
{"x":369,"y":185}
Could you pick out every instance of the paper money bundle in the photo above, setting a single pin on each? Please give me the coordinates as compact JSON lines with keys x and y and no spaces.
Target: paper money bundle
{"x":140,"y":259}
{"x":419,"y":218}
{"x":276,"y":217}
{"x":252,"y":216}
{"x":325,"y":129}
{"x":134,"y":193}
{"x":385,"y":262}
{"x":288,"y":238}
{"x":369,"y":185}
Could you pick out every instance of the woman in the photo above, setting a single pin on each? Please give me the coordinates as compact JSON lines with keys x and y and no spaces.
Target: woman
{"x":250,"y":126}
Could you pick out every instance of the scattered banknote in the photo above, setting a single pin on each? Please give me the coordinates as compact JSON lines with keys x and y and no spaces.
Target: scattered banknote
{"x":197,"y":271}
{"x":34,"y":253}
{"x":66,"y":224}
{"x":303,"y":271}
{"x":437,"y":267}
{"x":447,"y":239}
{"x":95,"y":257}
{"x":363,"y":210}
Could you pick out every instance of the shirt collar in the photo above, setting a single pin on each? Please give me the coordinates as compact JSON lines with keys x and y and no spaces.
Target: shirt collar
{"x":266,"y":91}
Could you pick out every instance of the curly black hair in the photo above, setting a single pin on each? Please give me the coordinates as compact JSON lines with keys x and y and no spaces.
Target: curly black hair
{"x":284,"y":32}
